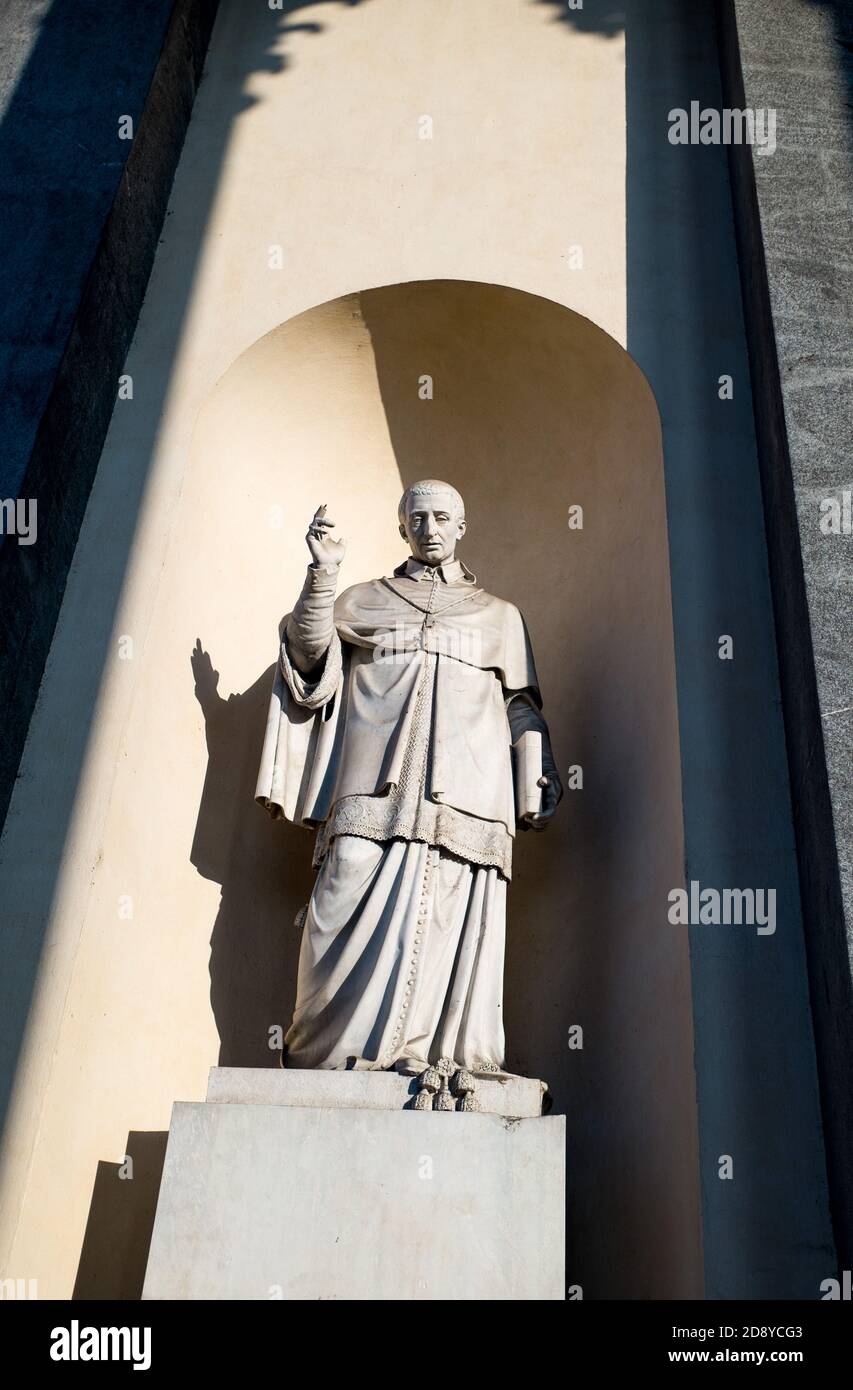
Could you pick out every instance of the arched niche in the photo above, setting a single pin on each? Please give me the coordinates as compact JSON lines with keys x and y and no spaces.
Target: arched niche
{"x":530,"y":410}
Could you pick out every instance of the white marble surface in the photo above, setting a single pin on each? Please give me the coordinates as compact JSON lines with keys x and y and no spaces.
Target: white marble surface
{"x":517,"y":1097}
{"x":292,"y":1202}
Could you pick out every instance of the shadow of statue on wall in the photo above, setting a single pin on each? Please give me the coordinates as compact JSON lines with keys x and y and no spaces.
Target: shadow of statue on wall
{"x":263,"y":867}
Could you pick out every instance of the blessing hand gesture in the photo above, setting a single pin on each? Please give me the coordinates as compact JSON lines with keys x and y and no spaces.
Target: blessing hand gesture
{"x":324,"y":550}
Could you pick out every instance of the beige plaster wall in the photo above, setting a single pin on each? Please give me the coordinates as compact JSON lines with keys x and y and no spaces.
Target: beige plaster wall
{"x":309,"y":140}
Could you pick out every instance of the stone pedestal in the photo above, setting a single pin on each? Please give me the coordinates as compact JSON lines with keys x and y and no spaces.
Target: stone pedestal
{"x":327,"y":1185}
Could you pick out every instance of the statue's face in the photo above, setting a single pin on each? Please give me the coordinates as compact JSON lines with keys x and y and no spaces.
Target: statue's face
{"x":432,"y":527}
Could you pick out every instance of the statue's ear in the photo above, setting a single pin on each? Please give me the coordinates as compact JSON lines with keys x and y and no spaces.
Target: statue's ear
{"x":403,"y":532}
{"x":462,"y":527}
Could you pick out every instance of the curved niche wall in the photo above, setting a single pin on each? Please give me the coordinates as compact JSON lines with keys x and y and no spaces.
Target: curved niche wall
{"x":530,"y":410}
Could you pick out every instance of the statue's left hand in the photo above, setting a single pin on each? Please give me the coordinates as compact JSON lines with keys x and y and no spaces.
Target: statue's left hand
{"x":552,"y":795}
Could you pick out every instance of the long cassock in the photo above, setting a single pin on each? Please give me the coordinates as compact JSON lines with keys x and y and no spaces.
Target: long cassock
{"x":397,"y":747}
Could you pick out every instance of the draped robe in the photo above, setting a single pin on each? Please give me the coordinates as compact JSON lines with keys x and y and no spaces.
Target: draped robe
{"x":397,"y":750}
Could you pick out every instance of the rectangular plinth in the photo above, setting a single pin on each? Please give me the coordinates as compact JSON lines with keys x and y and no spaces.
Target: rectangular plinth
{"x":517,"y":1097}
{"x":281,"y":1201}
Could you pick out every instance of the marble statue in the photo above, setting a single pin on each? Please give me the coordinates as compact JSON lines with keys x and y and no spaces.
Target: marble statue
{"x":405,"y":727}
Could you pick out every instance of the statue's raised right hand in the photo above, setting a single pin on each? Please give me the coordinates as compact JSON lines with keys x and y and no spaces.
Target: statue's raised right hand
{"x":324,"y":550}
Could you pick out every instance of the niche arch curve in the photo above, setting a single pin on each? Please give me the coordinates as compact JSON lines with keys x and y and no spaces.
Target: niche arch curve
{"x":529,"y":409}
